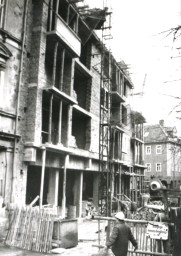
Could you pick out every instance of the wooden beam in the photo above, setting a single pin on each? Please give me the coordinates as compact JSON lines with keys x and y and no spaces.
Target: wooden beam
{"x":50,"y":120}
{"x":56,"y":187}
{"x":64,"y":185}
{"x":42,"y":176}
{"x":60,"y":123}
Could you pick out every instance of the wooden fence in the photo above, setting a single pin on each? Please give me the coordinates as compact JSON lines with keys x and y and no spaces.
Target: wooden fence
{"x":31,"y":229}
{"x":146,"y":245}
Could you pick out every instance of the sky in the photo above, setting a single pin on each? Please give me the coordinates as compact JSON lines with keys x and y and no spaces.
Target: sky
{"x":140,"y":31}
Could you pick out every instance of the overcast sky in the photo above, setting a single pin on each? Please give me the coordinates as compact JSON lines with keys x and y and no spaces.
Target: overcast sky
{"x":137,"y":27}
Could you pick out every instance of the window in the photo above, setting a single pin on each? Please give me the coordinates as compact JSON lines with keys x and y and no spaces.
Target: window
{"x":2,"y":5}
{"x":148,"y":165}
{"x":158,"y":167}
{"x":148,"y":150}
{"x":158,"y":149}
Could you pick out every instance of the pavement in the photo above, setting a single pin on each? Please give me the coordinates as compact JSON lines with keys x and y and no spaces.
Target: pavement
{"x":87,"y":236}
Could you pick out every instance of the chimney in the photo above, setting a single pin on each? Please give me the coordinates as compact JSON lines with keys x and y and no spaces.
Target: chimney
{"x":161,"y":122}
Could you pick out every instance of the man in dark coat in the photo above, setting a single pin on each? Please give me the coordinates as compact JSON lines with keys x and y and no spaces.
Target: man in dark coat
{"x":120,"y":237}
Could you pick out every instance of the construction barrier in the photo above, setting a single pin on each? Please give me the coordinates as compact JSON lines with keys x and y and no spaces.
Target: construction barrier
{"x":31,"y":229}
{"x":151,"y":236}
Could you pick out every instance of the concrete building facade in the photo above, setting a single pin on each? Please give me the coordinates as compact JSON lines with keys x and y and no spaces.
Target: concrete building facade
{"x":50,"y":101}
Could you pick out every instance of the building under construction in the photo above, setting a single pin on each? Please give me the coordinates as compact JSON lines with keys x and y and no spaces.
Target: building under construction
{"x":68,"y":136}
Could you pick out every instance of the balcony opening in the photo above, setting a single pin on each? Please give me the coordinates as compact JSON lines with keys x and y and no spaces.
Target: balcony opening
{"x":115,"y":113}
{"x":52,"y":119}
{"x":81,"y":126}
{"x":58,"y":66}
{"x":82,"y":89}
{"x":124,"y":115}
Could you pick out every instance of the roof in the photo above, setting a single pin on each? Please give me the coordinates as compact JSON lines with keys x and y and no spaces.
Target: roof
{"x":158,"y":133}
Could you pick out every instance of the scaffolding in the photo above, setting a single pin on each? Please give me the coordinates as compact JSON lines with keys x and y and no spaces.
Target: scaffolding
{"x":105,"y":169}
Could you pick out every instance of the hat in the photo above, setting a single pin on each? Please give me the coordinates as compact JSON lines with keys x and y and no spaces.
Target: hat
{"x":120,"y":216}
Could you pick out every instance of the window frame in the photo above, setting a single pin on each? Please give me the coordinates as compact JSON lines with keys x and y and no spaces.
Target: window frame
{"x":146,"y":152}
{"x":157,"y":149}
{"x":148,"y":168}
{"x":160,"y":167}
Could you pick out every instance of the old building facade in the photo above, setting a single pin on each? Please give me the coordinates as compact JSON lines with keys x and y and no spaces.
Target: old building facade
{"x":50,"y":104}
{"x":162,"y":154}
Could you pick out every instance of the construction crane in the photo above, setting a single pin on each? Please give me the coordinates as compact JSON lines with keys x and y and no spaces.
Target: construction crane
{"x":143,"y":85}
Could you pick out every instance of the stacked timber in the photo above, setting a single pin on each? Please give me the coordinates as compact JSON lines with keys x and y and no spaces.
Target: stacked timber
{"x":31,"y":229}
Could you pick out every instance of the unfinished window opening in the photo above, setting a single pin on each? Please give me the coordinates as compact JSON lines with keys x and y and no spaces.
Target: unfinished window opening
{"x":106,"y":65}
{"x":33,"y":184}
{"x":63,"y":10}
{"x":115,"y":113}
{"x":45,"y":116}
{"x":55,"y":121}
{"x":64,"y":127}
{"x":116,"y":144}
{"x":49,"y":63}
{"x":67,"y":74}
{"x":82,"y":88}
{"x":85,"y":56}
{"x":72,"y":22}
{"x":58,"y":66}
{"x":124,"y":115}
{"x":81,"y":126}
{"x":125,"y":89}
{"x":51,"y":130}
{"x":104,"y":98}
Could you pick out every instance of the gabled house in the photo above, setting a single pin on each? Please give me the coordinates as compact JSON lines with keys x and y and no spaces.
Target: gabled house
{"x":162,"y":154}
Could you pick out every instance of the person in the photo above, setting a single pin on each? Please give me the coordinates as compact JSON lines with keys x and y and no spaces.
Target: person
{"x":120,"y":237}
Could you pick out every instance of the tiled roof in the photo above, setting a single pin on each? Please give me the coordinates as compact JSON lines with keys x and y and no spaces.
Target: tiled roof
{"x":155,"y":133}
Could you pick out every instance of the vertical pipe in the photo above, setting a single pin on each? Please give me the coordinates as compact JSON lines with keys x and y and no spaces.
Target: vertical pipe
{"x":60,"y":123}
{"x":64,"y":185}
{"x":42,"y":176}
{"x":62,"y":69}
{"x":50,"y":120}
{"x":54,"y":63}
{"x":56,"y":187}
